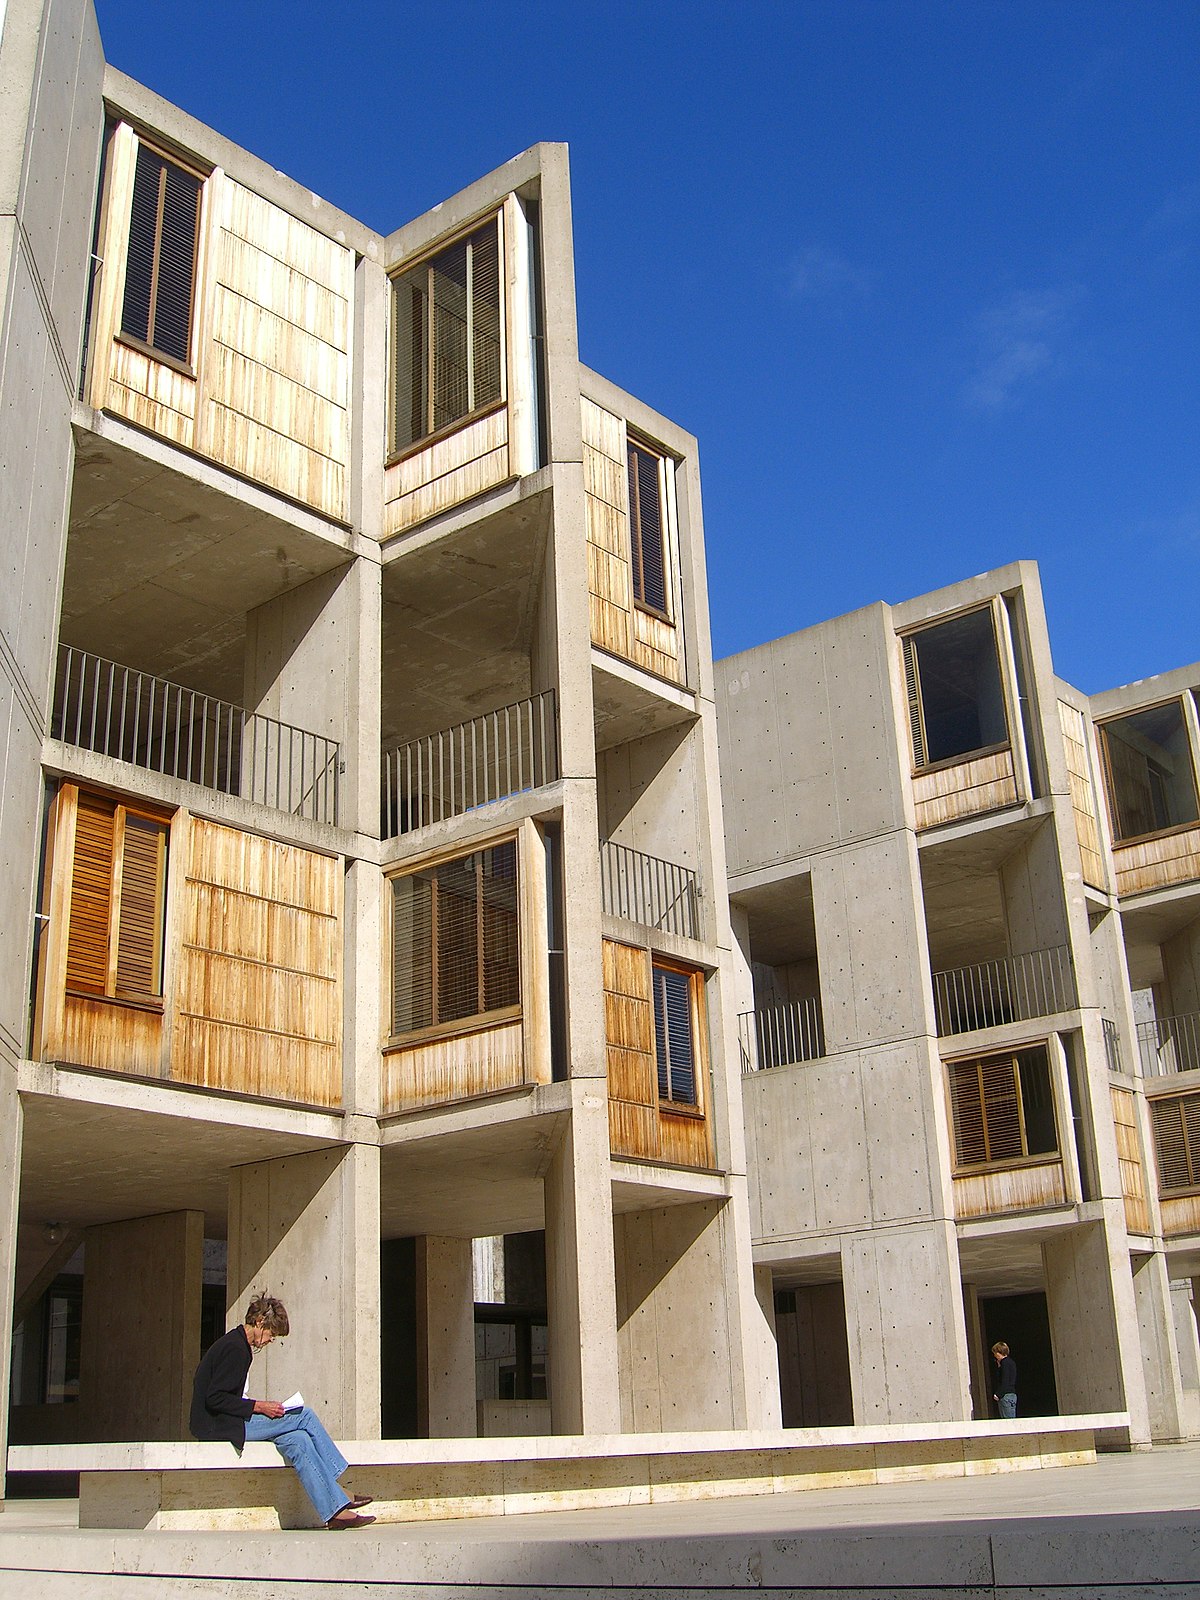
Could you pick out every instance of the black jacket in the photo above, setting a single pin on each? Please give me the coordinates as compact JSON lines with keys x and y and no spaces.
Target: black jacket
{"x":219,"y":1408}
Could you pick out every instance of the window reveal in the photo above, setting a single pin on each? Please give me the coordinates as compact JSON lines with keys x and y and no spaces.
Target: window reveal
{"x":447,"y":342}
{"x":647,"y":527}
{"x":1003,"y":1108}
{"x":674,"y":1041}
{"x":160,"y":265}
{"x":118,"y":887}
{"x":1148,"y":764}
{"x":455,"y":946}
{"x":955,"y":696}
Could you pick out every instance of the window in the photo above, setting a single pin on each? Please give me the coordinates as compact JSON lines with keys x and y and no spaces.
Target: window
{"x":1148,"y":764}
{"x":647,"y":527}
{"x":1003,"y":1108}
{"x":446,"y":337}
{"x":118,"y":887}
{"x":1177,"y":1141}
{"x":160,"y":266}
{"x":674,"y":1034}
{"x":455,"y":946}
{"x":955,"y":697}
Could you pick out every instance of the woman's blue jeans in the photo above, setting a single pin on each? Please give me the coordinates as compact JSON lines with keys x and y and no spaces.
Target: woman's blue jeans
{"x":300,"y":1438}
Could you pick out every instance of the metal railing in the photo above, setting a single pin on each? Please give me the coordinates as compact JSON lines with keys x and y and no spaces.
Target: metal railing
{"x":446,"y":774}
{"x":163,"y":727}
{"x":649,"y":891}
{"x":1012,"y":989}
{"x":1170,"y":1044}
{"x":1112,"y":1045}
{"x":781,"y":1036}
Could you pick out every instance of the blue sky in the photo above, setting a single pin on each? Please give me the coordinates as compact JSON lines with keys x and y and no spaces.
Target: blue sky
{"x":922,"y":275}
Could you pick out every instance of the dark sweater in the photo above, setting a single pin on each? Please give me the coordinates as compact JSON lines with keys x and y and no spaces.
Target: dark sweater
{"x":219,"y":1408}
{"x":1006,"y":1382}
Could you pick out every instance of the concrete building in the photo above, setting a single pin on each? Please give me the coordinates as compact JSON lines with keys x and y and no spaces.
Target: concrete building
{"x":967,"y":900}
{"x":363,"y":888}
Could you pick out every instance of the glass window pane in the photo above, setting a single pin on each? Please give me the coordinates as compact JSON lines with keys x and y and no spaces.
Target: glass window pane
{"x":1151,"y":782}
{"x":962,"y":700}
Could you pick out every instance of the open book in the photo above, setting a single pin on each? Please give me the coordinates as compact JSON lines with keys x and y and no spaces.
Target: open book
{"x":294,"y":1402}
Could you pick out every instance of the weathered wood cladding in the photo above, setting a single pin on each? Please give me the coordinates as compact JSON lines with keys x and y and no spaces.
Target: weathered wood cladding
{"x":252,"y":977}
{"x":1024,"y":1188}
{"x":459,"y":1068}
{"x":267,"y":392}
{"x":1083,"y":794}
{"x":1180,"y":1214}
{"x":639,"y":1124}
{"x":1129,"y":1157}
{"x":446,"y":472}
{"x":1159,"y":862}
{"x":618,"y":624}
{"x":964,"y":789}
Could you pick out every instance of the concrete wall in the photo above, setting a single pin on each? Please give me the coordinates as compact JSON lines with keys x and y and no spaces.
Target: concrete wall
{"x":141,"y":1326}
{"x":445,"y":1339}
{"x":1181,"y":967}
{"x":1032,"y":881}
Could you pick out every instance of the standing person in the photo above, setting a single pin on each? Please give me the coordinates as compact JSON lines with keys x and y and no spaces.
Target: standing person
{"x":221,"y":1409}
{"x":1006,"y":1383}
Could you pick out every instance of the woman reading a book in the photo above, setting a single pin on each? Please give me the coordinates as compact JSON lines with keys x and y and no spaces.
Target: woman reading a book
{"x":221,"y":1409}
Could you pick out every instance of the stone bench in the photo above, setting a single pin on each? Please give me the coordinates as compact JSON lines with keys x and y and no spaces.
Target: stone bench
{"x":187,"y":1486}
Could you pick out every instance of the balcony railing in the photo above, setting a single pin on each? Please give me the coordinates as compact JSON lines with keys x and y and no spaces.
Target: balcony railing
{"x":163,"y":727}
{"x":1112,"y":1045}
{"x":1170,"y":1044}
{"x":644,"y":889}
{"x":781,"y":1036}
{"x":1013,"y":989}
{"x":447,"y":774}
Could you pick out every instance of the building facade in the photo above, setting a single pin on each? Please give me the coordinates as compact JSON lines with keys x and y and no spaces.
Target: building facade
{"x":968,"y":903}
{"x":363,"y":889}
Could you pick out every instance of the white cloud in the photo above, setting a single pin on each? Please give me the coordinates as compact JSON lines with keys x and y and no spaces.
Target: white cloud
{"x":1018,"y":340}
{"x":817,"y":272}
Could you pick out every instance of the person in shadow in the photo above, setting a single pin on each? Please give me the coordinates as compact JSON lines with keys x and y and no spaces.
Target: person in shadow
{"x":1006,"y":1381}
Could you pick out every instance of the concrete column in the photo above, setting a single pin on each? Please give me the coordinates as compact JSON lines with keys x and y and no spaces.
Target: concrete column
{"x":446,"y":1339}
{"x":306,"y":1228}
{"x":141,"y":1326}
{"x":1160,"y":1359}
{"x":977,"y":1355}
{"x":367,"y":903}
{"x":1094,"y":1327}
{"x":10,"y":1184}
{"x":584,"y":1388}
{"x":1187,"y":1345}
{"x":904,"y":1325}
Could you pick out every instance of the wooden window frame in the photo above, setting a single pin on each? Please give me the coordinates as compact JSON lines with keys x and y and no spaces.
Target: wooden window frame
{"x":478,"y":1021}
{"x":474,"y":413}
{"x":188,"y":366}
{"x":911,"y":668}
{"x":664,"y":464}
{"x":1191,"y":1155}
{"x":1002,"y":1163}
{"x":112,"y":993}
{"x":1110,"y":791}
{"x":696,"y":1017}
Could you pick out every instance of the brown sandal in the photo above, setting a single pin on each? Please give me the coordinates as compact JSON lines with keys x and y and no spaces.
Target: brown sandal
{"x":345,"y":1518}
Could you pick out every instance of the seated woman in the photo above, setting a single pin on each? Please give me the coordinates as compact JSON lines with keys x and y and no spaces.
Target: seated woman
{"x":221,"y":1409}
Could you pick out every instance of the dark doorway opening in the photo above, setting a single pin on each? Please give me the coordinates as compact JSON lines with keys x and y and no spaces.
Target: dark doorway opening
{"x":1022,"y":1322}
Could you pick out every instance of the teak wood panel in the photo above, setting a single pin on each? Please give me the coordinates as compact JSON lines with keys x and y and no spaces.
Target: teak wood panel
{"x":1028,"y":1188}
{"x":1158,"y":863}
{"x":447,"y":472}
{"x":639,"y":1126}
{"x":1083,"y":795}
{"x":259,"y":991}
{"x":1181,"y":1214}
{"x":458,"y":1068}
{"x":1129,"y":1157}
{"x":268,"y":388}
{"x":618,"y":624}
{"x":965,"y":789}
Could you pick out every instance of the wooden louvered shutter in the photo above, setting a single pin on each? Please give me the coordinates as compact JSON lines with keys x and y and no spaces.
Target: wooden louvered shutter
{"x":1177,"y":1141}
{"x":140,"y":915}
{"x":912,"y":686}
{"x":1002,"y":1108}
{"x":673,"y":1045}
{"x":646,"y":525}
{"x":486,"y":384}
{"x":448,"y":291}
{"x":412,"y":953}
{"x":966,"y":1106}
{"x":91,"y":895}
{"x":160,"y":263}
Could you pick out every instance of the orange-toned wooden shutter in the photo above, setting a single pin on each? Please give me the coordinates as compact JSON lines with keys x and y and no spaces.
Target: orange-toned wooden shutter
{"x":140,"y":918}
{"x":91,"y":895}
{"x":1002,"y":1108}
